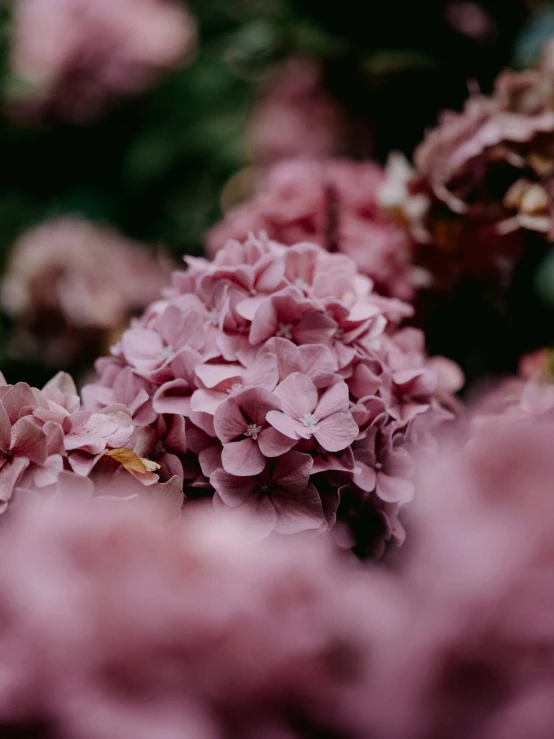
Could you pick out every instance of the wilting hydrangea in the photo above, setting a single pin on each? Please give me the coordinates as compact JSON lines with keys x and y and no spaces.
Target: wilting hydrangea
{"x":333,"y":204}
{"x":50,"y":445}
{"x":114,"y":624}
{"x":74,"y":57}
{"x":482,"y":178}
{"x":277,"y":380}
{"x":70,"y":285}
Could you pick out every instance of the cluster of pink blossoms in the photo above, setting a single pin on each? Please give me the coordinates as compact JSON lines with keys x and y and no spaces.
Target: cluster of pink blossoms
{"x":276,"y":379}
{"x":70,"y":285}
{"x":75,"y":57}
{"x":50,"y":445}
{"x":332,"y":203}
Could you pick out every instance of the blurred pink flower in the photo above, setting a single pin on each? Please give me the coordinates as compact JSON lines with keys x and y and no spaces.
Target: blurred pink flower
{"x":116,"y":623}
{"x":294,"y":116}
{"x":334,"y":204}
{"x":69,"y":283}
{"x":73,"y":59}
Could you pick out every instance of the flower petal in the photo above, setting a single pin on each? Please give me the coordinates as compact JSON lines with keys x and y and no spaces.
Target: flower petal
{"x":232,"y":490}
{"x":242,"y":458}
{"x":172,"y":397}
{"x":229,"y":422}
{"x":333,"y":400}
{"x":272,"y":443}
{"x":297,"y":512}
{"x":336,"y":432}
{"x":298,"y":395}
{"x":28,"y":440}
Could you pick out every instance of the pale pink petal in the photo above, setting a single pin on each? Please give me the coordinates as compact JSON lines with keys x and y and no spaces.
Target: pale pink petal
{"x":394,"y":489}
{"x":5,"y":429}
{"x":298,"y":395}
{"x":399,"y":464}
{"x":172,"y":397}
{"x":9,"y":476}
{"x":292,"y":471}
{"x":315,"y":328}
{"x":207,"y":401}
{"x":210,"y":459}
{"x":242,"y":458}
{"x":336,"y":432}
{"x":232,"y":490}
{"x":256,"y":402}
{"x":272,"y":443}
{"x":288,"y":426}
{"x":297,"y":511}
{"x":18,"y":397}
{"x":229,"y":422}
{"x":264,"y":324}
{"x":365,"y":477}
{"x":263,"y":512}
{"x":28,"y":440}
{"x":333,"y":400}
{"x":212,"y":374}
{"x":176,"y":438}
{"x":49,"y":472}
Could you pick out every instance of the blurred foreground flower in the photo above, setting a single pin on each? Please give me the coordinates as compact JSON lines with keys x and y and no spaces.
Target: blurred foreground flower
{"x":276,"y":379}
{"x":72,"y":58}
{"x":473,"y":657}
{"x":116,"y":624}
{"x":71,"y":285}
{"x":334,"y":204}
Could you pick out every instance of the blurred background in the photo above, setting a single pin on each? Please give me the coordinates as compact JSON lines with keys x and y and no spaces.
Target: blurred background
{"x":128,"y":127}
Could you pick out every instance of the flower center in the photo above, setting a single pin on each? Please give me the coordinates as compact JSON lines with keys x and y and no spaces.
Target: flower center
{"x":166,"y":352}
{"x":378,"y":466}
{"x":234,"y":386}
{"x":339,"y":332}
{"x":284,"y":331}
{"x":309,"y":420}
{"x":212,"y":317}
{"x":253,"y":431}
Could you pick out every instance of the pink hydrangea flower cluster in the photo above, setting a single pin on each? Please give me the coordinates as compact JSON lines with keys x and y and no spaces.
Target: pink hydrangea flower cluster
{"x":114,"y":624}
{"x":71,"y":285}
{"x":334,"y":204}
{"x":274,"y":378}
{"x":294,"y":116}
{"x":50,"y":445}
{"x":482,"y":179}
{"x":73,"y":57}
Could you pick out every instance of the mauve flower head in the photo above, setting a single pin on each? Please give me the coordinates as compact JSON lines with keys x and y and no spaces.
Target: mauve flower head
{"x":49,"y":443}
{"x":473,"y":656}
{"x":73,"y":58}
{"x":118,"y":624}
{"x":294,"y":116}
{"x":482,"y":179}
{"x":331,"y":203}
{"x":274,"y":379}
{"x":69,"y":283}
